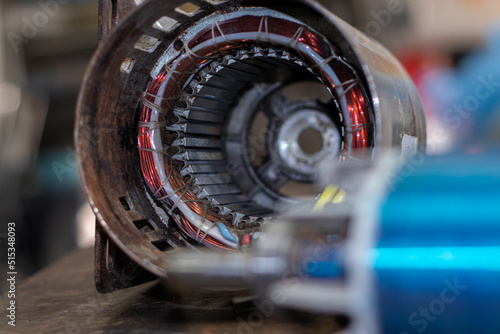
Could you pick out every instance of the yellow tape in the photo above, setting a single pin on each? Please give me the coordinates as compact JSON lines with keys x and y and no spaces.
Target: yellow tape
{"x":331,"y":194}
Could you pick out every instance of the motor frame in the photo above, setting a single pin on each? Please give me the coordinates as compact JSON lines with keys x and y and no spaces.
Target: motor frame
{"x":107,"y":118}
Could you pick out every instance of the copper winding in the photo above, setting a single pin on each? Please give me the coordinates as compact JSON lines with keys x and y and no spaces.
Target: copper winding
{"x":165,"y":89}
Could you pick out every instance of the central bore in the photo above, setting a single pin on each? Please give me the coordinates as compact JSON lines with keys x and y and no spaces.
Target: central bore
{"x":310,"y":141}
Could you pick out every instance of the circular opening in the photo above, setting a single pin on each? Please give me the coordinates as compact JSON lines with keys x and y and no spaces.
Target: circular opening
{"x":310,"y":141}
{"x":178,"y":44}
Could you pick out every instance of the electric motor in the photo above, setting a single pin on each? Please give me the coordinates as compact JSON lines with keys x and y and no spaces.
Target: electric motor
{"x":200,"y":122}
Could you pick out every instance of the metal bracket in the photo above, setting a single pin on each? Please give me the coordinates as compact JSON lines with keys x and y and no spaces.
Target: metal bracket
{"x":111,"y":12}
{"x":113,"y":269}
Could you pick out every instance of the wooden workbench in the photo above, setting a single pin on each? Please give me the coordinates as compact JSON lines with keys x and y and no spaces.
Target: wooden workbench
{"x":62,"y":299}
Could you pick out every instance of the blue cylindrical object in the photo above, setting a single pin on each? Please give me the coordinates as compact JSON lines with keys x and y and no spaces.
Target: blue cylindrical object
{"x":437,"y":259}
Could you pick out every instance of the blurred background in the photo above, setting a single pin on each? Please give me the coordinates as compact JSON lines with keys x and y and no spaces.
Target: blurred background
{"x":451,"y":48}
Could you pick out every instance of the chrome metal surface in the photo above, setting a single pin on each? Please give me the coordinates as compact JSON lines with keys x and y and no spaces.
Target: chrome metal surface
{"x":308,"y":122}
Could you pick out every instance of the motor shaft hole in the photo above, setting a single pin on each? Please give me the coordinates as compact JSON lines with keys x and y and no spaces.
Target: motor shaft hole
{"x":310,"y":141}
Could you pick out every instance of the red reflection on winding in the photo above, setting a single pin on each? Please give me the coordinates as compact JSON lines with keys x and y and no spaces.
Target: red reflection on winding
{"x":161,"y":93}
